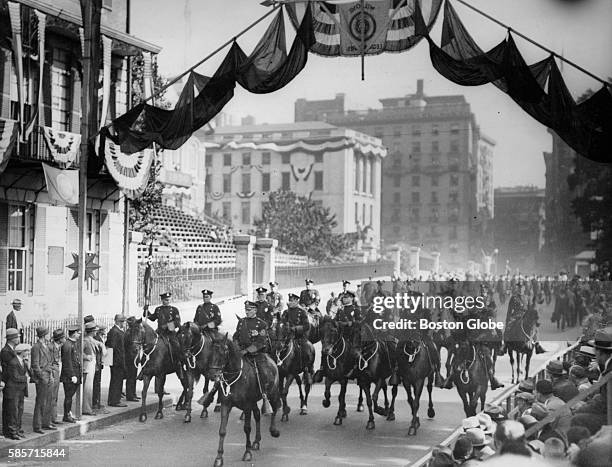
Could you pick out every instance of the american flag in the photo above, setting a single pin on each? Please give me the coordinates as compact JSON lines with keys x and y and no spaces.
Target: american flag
{"x":327,"y":23}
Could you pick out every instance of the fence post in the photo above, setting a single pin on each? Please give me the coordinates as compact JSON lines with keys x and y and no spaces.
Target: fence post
{"x":436,"y":262}
{"x":415,"y":266}
{"x":244,"y":263}
{"x":397,"y":260}
{"x":268,"y":247}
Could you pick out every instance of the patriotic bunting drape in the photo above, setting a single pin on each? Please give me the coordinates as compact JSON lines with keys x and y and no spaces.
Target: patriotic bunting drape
{"x":15,"y":16}
{"x":63,"y":146}
{"x":130,"y":171}
{"x":8,"y":137}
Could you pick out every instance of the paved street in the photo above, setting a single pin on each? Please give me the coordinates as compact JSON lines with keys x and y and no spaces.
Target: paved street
{"x":310,"y":440}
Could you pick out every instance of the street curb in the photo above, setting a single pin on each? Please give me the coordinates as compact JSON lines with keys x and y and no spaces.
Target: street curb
{"x":81,"y":427}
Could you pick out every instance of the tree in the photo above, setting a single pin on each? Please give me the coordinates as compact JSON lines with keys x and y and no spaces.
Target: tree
{"x":592,"y":183}
{"x":302,"y":227}
{"x":141,"y":210}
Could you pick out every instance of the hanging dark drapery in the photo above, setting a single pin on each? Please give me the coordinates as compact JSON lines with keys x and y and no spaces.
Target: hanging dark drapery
{"x":267,"y":69}
{"x":538,"y":88}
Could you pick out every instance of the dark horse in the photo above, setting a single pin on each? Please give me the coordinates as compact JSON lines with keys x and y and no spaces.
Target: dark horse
{"x":337,"y":360}
{"x":293,"y":358}
{"x":520,"y":339}
{"x":196,"y":350}
{"x":242,"y":384}
{"x":414,"y":366}
{"x":470,"y":376}
{"x":157,"y":360}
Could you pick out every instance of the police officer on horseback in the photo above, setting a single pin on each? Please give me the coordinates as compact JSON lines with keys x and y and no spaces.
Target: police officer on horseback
{"x":275,"y":299}
{"x":265,"y":311}
{"x":517,"y":307}
{"x":310,"y":299}
{"x":251,"y":332}
{"x":168,"y":322}
{"x":295,"y":320}
{"x":207,"y":315}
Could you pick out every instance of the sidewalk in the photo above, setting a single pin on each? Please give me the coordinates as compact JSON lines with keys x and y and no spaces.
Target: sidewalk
{"x":87,"y":423}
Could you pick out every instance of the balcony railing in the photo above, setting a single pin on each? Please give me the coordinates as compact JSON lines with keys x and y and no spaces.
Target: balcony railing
{"x":35,"y":149}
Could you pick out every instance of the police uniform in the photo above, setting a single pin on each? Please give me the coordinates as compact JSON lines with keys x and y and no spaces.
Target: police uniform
{"x":275,"y":299}
{"x":167,"y":317}
{"x":251,"y":333}
{"x":347,"y":316}
{"x":264,"y":309}
{"x":310,"y":299}
{"x":297,"y":318}
{"x":344,"y":290}
{"x":207,"y":313}
{"x":517,"y":307}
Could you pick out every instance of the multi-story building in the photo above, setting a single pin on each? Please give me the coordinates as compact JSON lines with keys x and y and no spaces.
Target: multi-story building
{"x":337,"y":167}
{"x":519,"y":229}
{"x":39,"y":236}
{"x":564,"y":236}
{"x":437,"y":185}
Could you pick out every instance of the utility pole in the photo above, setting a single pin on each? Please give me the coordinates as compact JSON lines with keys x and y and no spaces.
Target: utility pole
{"x":90,"y":13}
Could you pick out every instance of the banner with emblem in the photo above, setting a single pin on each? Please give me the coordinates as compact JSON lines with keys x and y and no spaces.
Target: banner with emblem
{"x":370,"y":23}
{"x":63,"y":146}
{"x":130,"y":171}
{"x":8,"y":137}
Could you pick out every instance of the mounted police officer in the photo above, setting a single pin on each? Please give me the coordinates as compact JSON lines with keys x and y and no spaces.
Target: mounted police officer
{"x":275,"y":299}
{"x":310,"y":298}
{"x":251,"y":332}
{"x":207,"y":315}
{"x":264,"y":309}
{"x":345,"y":289}
{"x":295,"y":320}
{"x":168,"y":321}
{"x":517,"y":307}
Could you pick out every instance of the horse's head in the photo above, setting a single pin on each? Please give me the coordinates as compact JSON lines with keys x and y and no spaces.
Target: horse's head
{"x":219,"y":356}
{"x":189,"y":337}
{"x":329,"y":331}
{"x":531,"y":317}
{"x":464,"y":352}
{"x":135,"y":337}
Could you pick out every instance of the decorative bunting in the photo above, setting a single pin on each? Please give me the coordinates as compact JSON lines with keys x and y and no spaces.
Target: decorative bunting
{"x":62,"y":185}
{"x":8,"y":138}
{"x":15,"y":15}
{"x":63,"y":145}
{"x":107,"y":44}
{"x":216,"y":195}
{"x":299,"y":172}
{"x":130,"y":171}
{"x":245,"y":194}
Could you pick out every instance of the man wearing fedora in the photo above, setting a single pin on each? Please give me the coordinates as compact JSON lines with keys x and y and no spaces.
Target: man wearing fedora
{"x":562,"y":387}
{"x":16,"y":389}
{"x":11,"y":318}
{"x":115,"y":341}
{"x":59,"y":337}
{"x":9,"y":407}
{"x":99,"y":336}
{"x":42,"y":370}
{"x":71,"y":373}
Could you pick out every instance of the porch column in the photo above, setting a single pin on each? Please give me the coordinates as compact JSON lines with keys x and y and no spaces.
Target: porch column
{"x":397,"y":260}
{"x":244,"y":263}
{"x":268,"y":247}
{"x":415,"y":267}
{"x":436,"y":261}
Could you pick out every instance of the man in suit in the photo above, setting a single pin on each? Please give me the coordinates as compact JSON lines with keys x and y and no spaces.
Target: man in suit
{"x":114,"y":340}
{"x":16,"y":389}
{"x":131,"y":372}
{"x":42,"y":370}
{"x":100,"y":336}
{"x":11,"y":318}
{"x":59,"y":338}
{"x":71,"y":370}
{"x":6,"y":358}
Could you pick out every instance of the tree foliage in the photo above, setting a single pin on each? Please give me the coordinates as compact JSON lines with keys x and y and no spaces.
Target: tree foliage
{"x":141,"y":210}
{"x":302,"y":227}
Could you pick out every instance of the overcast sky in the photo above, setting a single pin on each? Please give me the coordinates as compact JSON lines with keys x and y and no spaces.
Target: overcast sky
{"x":188,"y":30}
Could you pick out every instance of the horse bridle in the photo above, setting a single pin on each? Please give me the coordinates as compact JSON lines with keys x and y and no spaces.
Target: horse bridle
{"x":280,"y":360}
{"x":335,"y":359}
{"x":467,"y":369}
{"x":412,"y":356}
{"x":226,"y":386}
{"x":191,"y":357}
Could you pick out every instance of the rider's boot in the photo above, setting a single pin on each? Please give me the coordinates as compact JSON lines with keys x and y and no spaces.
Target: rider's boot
{"x":539,"y":349}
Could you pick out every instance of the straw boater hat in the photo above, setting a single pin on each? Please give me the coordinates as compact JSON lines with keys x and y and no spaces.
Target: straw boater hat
{"x":470,"y":422}
{"x":477,"y":437}
{"x":603,"y":339}
{"x":587,"y":351}
{"x":22,"y":348}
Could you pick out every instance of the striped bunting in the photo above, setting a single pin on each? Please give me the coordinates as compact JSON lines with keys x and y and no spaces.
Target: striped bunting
{"x":8,"y":137}
{"x":130,"y":171}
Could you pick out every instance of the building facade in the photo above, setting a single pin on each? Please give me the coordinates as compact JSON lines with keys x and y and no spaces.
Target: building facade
{"x":437,"y":183}
{"x":339,"y":168}
{"x":519,"y":229}
{"x":38,"y":234}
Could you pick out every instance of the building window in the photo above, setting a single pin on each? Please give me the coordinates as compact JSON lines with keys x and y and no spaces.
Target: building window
{"x":371,"y":215}
{"x":246,"y":212}
{"x":454,"y":180}
{"x":397,"y":160}
{"x":435,"y":147}
{"x":435,"y":215}
{"x":435,"y":131}
{"x":227,"y":183}
{"x":379,"y":133}
{"x":435,"y":180}
{"x":246,"y":183}
{"x":453,"y":197}
{"x":358,"y":168}
{"x":416,"y":130}
{"x":415,"y":214}
{"x":318,"y":180}
{"x":416,"y":181}
{"x":416,"y":147}
{"x":92,"y":238}
{"x":433,"y":231}
{"x":356,"y":213}
{"x":265,"y":182}
{"x":286,"y":158}
{"x":397,"y":181}
{"x":435,"y":161}
{"x":246,"y":158}
{"x":227,"y":159}
{"x":363,"y":213}
{"x":434,"y":196}
{"x":285,"y":181}
{"x":227,"y":211}
{"x":319,"y":158}
{"x":397,"y":196}
{"x":395,"y":216}
{"x":454,"y":146}
{"x":265,"y":158}
{"x":396,"y":229}
{"x":454,"y":129}
{"x":60,"y":90}
{"x":416,"y":197}
{"x":17,"y":248}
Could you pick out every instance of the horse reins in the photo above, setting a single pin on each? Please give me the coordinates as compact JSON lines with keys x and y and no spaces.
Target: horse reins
{"x":191,"y":359}
{"x":367,"y":361}
{"x":148,"y":355}
{"x":280,"y":360}
{"x":226,"y":386}
{"x":339,"y":355}
{"x":467,"y":370}
{"x":411,"y":356}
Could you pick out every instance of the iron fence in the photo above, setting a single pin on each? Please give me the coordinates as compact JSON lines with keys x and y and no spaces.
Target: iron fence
{"x":293,"y":276}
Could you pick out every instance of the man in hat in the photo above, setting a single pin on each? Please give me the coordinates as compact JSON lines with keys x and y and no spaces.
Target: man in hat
{"x":585,"y":357}
{"x":115,"y":341}
{"x":71,"y":372}
{"x":15,"y":376}
{"x":42,"y":371}
{"x":251,"y":332}
{"x":59,"y":338}
{"x":264,"y":309}
{"x":90,"y":349}
{"x":562,"y":387}
{"x":480,"y":444}
{"x":517,"y":307}
{"x":11,"y":318}
{"x":544,"y":395}
{"x":295,"y":320}
{"x":508,"y":431}
{"x":527,"y":385}
{"x":207,"y":315}
{"x":100,"y":337}
{"x":168,"y":322}
{"x":345,"y":285}
{"x":310,"y":299}
{"x":131,"y":371}
{"x":275,"y":299}
{"x":524,"y":401}
{"x":578,"y":376}
{"x":9,"y":407}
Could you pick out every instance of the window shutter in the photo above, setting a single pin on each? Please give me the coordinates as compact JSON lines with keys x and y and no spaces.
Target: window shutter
{"x":40,"y":250}
{"x":5,"y":83}
{"x":72,"y":240}
{"x":3,"y":248}
{"x":104,"y":270}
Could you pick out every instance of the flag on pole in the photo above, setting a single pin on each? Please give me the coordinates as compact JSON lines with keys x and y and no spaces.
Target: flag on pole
{"x":148,"y":277}
{"x":62,"y":185}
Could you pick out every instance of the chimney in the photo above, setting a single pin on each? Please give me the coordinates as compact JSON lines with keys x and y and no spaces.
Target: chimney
{"x":419,"y":88}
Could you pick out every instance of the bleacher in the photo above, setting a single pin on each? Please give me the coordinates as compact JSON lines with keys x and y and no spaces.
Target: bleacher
{"x":190,"y":240}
